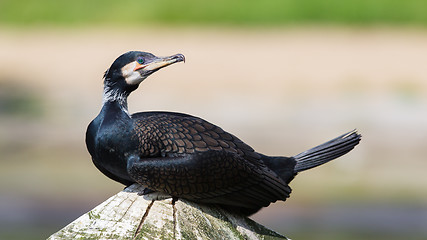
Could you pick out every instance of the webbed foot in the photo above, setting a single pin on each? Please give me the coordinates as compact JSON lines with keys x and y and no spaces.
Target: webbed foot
{"x":149,"y":194}
{"x":145,"y":192}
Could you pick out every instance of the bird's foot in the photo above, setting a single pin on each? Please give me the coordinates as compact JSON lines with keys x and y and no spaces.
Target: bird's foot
{"x":149,"y":194}
{"x":145,"y":192}
{"x":127,"y":186}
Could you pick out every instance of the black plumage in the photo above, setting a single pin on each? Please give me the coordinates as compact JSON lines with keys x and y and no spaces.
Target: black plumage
{"x":186,"y":156}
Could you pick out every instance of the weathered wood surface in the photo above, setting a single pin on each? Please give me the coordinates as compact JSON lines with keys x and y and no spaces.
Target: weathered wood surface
{"x":128,"y":215}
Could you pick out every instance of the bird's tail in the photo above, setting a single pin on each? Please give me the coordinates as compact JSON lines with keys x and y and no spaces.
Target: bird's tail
{"x":327,"y":151}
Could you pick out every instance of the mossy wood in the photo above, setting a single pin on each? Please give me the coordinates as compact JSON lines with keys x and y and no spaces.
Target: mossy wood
{"x":128,"y":215}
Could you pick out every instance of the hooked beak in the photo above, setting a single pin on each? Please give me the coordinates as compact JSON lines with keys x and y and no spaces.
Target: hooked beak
{"x":160,"y":63}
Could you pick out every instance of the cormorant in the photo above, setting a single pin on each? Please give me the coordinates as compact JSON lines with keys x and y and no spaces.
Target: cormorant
{"x":186,"y":156}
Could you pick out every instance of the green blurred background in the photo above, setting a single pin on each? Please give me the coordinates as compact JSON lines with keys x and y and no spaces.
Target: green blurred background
{"x":282,"y":75}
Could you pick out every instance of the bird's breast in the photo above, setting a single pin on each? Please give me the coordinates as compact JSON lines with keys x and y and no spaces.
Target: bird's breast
{"x":113,"y":143}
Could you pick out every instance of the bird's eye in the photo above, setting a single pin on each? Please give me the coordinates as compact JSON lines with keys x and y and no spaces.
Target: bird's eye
{"x":140,"y":60}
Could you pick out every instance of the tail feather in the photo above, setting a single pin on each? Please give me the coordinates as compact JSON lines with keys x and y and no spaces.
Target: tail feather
{"x":327,"y":151}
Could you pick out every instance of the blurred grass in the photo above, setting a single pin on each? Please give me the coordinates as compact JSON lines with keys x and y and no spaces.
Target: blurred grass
{"x":18,"y":101}
{"x":222,"y":12}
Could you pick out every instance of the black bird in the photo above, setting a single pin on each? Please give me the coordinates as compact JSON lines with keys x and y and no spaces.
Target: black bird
{"x":186,"y":156}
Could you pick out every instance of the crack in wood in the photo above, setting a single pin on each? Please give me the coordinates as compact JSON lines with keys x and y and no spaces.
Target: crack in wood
{"x":130,"y":205}
{"x":138,"y":229}
{"x":174,"y":216}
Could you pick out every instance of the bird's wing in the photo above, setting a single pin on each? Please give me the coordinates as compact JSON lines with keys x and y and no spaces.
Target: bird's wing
{"x":168,"y":133}
{"x":212,"y":176}
{"x":188,"y":157}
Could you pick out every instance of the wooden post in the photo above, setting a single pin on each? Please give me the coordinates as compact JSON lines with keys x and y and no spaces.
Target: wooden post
{"x":128,"y":215}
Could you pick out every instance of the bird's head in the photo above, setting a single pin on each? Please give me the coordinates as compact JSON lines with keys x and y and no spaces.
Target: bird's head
{"x":130,"y":69}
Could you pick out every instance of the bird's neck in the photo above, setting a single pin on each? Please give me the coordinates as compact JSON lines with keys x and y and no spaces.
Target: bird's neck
{"x":115,"y":95}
